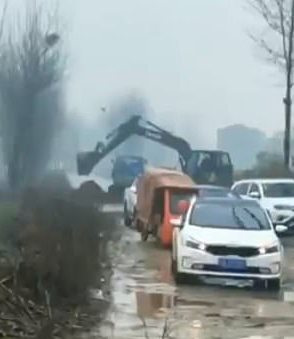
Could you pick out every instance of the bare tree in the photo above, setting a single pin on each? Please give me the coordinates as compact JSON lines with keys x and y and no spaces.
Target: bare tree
{"x":278,"y":15}
{"x":31,"y":66}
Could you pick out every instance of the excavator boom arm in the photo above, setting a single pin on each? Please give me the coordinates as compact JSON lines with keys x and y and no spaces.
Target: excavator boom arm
{"x":86,"y":161}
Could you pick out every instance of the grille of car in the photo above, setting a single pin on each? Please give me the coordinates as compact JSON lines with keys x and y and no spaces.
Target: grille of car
{"x":216,"y":268}
{"x":228,"y":250}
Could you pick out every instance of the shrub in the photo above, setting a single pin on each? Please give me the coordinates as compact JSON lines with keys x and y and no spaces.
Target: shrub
{"x":60,"y":241}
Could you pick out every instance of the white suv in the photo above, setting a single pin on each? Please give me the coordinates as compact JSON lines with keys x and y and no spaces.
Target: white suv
{"x":274,"y":195}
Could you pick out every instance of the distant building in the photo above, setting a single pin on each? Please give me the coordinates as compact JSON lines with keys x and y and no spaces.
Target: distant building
{"x":242,"y":142}
{"x":275,"y":144}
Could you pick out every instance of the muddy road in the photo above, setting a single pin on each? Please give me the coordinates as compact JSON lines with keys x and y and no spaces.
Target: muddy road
{"x":146,"y":303}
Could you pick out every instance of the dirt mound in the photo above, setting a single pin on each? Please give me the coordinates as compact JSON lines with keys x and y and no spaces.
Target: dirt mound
{"x":55,"y":182}
{"x":89,"y":193}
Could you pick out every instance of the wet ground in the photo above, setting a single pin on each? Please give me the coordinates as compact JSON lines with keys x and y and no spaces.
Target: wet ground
{"x":147,"y":304}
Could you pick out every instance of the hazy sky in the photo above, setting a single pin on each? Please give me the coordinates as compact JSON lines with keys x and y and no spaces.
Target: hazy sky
{"x":191,"y":59}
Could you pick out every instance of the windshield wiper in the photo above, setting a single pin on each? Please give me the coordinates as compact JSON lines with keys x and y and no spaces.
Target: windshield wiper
{"x":237,"y":218}
{"x":254,"y":217}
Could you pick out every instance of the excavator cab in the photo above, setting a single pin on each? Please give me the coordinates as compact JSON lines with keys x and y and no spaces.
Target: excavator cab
{"x":210,"y":168}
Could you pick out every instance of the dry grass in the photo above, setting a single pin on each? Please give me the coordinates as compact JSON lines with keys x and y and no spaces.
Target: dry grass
{"x":62,"y":240}
{"x":55,"y":247}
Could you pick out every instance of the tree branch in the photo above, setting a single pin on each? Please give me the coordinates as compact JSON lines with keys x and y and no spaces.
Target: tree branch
{"x":271,"y":18}
{"x":2,"y":20}
{"x":280,"y":5}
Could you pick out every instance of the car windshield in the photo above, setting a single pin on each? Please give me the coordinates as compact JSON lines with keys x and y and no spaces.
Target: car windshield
{"x":218,"y":193}
{"x":278,"y":190}
{"x":229,"y":216}
{"x":176,"y":197}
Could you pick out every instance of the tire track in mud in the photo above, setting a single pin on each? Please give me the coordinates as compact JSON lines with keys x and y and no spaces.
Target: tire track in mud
{"x":145,"y":301}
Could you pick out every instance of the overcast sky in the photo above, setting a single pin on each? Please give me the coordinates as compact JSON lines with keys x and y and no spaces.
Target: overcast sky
{"x":191,"y":59}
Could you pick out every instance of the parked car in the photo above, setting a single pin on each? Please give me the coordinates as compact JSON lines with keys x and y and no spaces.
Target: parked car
{"x":274,"y":195}
{"x":130,"y":200}
{"x":216,"y":191}
{"x":234,"y":238}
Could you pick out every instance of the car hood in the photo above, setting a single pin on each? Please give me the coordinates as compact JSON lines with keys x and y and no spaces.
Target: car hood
{"x":230,"y":237}
{"x":271,"y":202}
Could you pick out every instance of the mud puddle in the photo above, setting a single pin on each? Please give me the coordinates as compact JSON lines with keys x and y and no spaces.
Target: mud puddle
{"x":147,"y":304}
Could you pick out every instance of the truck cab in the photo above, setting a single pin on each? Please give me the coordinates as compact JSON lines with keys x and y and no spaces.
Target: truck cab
{"x":125,"y":169}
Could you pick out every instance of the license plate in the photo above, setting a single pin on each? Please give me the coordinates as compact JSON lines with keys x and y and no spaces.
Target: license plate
{"x":233,"y":264}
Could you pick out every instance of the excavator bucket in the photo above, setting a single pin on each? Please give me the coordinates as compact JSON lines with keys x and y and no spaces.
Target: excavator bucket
{"x":86,"y":162}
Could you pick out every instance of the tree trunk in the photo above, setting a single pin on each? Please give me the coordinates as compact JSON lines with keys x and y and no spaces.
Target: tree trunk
{"x":289,"y":79}
{"x":287,"y":136}
{"x":14,"y":174}
{"x":14,"y":169}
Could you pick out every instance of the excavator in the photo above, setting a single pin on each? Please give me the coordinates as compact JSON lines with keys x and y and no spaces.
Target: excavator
{"x":206,"y":167}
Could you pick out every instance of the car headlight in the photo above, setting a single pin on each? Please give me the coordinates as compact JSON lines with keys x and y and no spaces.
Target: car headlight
{"x":196,"y":245}
{"x":283,"y":207}
{"x":269,"y":249}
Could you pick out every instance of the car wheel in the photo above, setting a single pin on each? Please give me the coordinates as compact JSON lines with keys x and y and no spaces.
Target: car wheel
{"x":259,"y":284}
{"x":270,"y":284}
{"x":134,"y":217}
{"x":173,"y":265}
{"x":127,"y":219}
{"x":178,"y":277}
{"x":274,"y":284}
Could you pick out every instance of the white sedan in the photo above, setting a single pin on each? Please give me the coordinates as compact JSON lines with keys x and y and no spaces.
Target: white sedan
{"x":130,"y":200}
{"x":223,"y":237}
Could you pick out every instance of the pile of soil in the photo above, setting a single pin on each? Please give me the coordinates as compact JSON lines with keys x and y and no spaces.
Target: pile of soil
{"x":89,"y":193}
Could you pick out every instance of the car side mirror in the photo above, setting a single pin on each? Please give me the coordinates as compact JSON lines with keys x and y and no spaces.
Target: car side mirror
{"x":281,"y":228}
{"x":254,"y":195}
{"x":177,"y":222}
